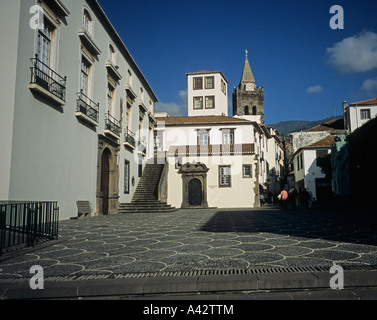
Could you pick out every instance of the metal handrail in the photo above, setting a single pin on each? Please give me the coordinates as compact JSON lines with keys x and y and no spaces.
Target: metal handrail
{"x":87,"y":106}
{"x":112,"y":124}
{"x":129,"y":138}
{"x":26,"y":223}
{"x":47,"y":78}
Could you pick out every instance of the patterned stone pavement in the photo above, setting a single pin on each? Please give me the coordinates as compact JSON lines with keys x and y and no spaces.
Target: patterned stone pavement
{"x":201,"y":240}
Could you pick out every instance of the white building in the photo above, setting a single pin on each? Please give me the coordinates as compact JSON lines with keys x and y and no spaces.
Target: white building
{"x":215,"y":160}
{"x":75,"y":107}
{"x":275,"y":160}
{"x":307,"y":172}
{"x":358,"y":113}
{"x":224,"y":145}
{"x":208,"y":93}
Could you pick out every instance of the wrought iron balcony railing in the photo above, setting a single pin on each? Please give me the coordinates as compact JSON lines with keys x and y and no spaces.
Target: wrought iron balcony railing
{"x":129,"y":137}
{"x":48,"y":79}
{"x":27,"y":223}
{"x":112,"y":124}
{"x":87,"y":106}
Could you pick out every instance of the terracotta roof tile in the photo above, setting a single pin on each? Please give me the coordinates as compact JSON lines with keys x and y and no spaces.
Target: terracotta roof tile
{"x":335,"y":124}
{"x":371,"y":101}
{"x":326,"y":142}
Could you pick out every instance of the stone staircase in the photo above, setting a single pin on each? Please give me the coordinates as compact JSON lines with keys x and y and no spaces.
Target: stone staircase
{"x":145,"y":198}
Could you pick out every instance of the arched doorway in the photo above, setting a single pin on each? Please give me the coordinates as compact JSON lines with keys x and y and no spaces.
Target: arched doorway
{"x":194,"y":185}
{"x":195,"y":192}
{"x":105,"y":178}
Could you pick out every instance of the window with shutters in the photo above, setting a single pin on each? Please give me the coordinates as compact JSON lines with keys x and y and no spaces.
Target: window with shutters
{"x":224,"y":177}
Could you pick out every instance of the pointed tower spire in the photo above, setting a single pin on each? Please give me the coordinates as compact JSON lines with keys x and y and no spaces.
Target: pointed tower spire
{"x":247,"y":74}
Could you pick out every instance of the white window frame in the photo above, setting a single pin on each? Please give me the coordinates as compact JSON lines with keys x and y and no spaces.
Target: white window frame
{"x":365,"y":114}
{"x":225,"y":180}
{"x":244,"y":175}
{"x":228,"y":136}
{"x":87,"y":22}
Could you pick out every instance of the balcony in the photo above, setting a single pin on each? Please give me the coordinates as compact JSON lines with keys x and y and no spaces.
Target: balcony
{"x":87,"y":110}
{"x":129,"y":140}
{"x":142,"y":149}
{"x":112,"y":126}
{"x":46,"y":82}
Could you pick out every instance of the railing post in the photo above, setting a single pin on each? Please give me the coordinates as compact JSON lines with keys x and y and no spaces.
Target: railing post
{"x":3,"y":213}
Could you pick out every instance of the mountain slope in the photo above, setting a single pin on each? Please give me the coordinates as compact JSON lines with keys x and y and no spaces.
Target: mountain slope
{"x":285,"y":127}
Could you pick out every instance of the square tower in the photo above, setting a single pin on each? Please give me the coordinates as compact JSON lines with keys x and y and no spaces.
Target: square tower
{"x":207,"y":93}
{"x":248,"y":99}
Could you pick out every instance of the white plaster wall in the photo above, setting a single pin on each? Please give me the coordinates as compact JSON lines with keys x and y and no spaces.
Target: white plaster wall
{"x":221,"y":100}
{"x":312,"y":171}
{"x":355,"y":117}
{"x":239,"y":195}
{"x":9,"y":31}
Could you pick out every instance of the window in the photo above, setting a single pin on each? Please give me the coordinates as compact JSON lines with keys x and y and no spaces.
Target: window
{"x":203,"y":137}
{"x":228,"y":136}
{"x":110,"y":95}
{"x":210,"y":82}
{"x":224,"y":177}
{"x":246,"y":171}
{"x":198,"y":103}
{"x":126,"y":177}
{"x":44,"y":44}
{"x":84,"y":76}
{"x":210,"y":102}
{"x":254,"y":110}
{"x":111,"y":54}
{"x":127,"y":120}
{"x":198,"y":83}
{"x":365,"y":114}
{"x":44,"y":78}
{"x":129,"y":77}
{"x":223,"y":86}
{"x":87,"y":22}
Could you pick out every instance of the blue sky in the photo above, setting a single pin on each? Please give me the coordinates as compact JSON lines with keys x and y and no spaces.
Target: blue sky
{"x":306,"y":68}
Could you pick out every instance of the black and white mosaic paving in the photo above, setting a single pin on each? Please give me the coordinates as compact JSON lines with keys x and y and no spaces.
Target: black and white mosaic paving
{"x":200,"y":240}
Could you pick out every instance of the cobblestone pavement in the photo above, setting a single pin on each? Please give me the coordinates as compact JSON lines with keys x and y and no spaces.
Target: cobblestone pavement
{"x":203,"y":239}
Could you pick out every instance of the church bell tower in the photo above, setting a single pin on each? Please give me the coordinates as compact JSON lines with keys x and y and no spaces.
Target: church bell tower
{"x":248,"y":99}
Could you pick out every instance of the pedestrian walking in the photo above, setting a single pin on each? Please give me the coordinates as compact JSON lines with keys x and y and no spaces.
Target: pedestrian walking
{"x":310,"y":197}
{"x":261,"y":200}
{"x":284,"y":199}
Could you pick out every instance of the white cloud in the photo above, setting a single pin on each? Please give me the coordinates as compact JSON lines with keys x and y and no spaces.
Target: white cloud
{"x":314,"y":89}
{"x":370,"y":87}
{"x":355,"y":54}
{"x":174,"y":109}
